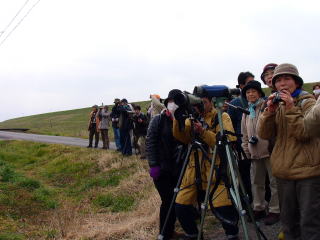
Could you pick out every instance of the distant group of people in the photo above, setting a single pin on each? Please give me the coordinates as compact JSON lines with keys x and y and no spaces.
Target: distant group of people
{"x":281,"y":166}
{"x":129,"y":126}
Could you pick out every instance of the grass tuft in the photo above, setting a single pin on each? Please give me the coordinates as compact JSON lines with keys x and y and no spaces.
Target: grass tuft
{"x":121,"y":203}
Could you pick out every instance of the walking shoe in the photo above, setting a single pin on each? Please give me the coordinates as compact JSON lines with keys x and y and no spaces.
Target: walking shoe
{"x":95,"y":146}
{"x":272,"y":218}
{"x":258,"y":215}
{"x":176,"y":235}
{"x":89,"y":146}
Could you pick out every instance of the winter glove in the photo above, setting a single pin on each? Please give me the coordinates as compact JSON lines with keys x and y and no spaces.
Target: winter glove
{"x":155,"y":172}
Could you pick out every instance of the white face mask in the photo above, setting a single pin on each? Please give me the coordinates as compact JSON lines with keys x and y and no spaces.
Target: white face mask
{"x":172,"y":107}
{"x":316,"y":92}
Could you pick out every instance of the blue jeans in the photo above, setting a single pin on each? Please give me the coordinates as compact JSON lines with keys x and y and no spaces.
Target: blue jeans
{"x":116,"y":133}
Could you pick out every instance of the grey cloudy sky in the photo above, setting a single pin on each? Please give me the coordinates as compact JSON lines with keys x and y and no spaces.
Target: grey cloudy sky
{"x":71,"y":54}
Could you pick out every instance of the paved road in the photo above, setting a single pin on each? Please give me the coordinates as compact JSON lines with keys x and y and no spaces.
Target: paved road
{"x":4,"y":135}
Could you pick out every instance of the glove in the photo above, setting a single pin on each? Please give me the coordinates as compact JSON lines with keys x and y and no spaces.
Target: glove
{"x":155,"y":172}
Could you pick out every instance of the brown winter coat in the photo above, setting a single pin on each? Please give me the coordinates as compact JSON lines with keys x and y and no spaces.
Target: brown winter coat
{"x":97,"y":120}
{"x":312,"y":120}
{"x":248,"y":129}
{"x":295,"y":154}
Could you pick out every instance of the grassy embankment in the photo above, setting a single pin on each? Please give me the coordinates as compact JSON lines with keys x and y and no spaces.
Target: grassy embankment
{"x":71,"y":123}
{"x":62,"y":192}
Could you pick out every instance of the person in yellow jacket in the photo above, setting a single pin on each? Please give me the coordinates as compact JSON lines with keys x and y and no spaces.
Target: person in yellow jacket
{"x":187,"y":197}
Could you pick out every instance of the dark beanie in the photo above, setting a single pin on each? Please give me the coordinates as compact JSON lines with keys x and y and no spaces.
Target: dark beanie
{"x":252,"y":84}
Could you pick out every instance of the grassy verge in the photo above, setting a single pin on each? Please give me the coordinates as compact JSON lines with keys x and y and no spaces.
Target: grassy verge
{"x":45,"y":188}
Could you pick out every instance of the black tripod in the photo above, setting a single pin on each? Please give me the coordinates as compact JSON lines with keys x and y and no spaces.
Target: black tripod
{"x":194,"y":146}
{"x":228,"y":173}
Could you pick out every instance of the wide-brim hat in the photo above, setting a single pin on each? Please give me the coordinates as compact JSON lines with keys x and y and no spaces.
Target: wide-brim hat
{"x":116,"y":100}
{"x":252,"y":84}
{"x":287,"y":69}
{"x":171,"y":95}
{"x":95,"y":106}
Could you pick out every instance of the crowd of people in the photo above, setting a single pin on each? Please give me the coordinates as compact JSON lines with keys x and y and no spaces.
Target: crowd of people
{"x":279,"y":140}
{"x":281,"y":170}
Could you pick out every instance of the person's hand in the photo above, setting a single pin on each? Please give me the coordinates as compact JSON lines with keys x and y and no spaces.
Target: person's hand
{"x":198,"y":127}
{"x":272,"y":107}
{"x":140,"y":120}
{"x":154,"y":172}
{"x":288,"y":100}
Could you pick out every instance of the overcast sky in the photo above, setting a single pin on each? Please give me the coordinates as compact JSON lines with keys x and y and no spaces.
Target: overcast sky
{"x":70,"y":54}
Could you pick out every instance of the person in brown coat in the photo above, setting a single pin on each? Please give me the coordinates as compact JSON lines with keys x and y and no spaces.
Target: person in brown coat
{"x":312,"y":120}
{"x":295,"y":158}
{"x":93,"y":127}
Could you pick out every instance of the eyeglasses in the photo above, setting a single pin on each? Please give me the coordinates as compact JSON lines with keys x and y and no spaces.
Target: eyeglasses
{"x":268,"y":73}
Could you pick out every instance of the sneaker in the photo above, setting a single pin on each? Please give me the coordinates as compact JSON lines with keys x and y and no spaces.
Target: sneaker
{"x":272,"y":218}
{"x":258,"y":215}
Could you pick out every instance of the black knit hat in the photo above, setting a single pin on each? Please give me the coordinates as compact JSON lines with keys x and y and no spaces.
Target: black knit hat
{"x":172,"y":94}
{"x":252,"y":84}
{"x":124,"y":100}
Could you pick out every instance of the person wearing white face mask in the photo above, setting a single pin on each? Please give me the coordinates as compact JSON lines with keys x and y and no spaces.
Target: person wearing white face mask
{"x":162,"y":152}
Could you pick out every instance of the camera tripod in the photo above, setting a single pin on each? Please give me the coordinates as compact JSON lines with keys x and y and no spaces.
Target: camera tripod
{"x":231,"y":178}
{"x":234,"y":187}
{"x":194,"y":146}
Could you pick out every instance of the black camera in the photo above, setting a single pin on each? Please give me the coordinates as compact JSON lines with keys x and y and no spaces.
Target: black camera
{"x":277,"y":98}
{"x":253,"y":140}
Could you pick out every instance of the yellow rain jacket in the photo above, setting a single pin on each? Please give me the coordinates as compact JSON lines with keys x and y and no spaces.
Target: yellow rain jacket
{"x":188,"y":194}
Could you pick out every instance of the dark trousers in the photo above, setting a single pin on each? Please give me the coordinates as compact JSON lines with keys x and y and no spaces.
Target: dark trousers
{"x":165,"y":185}
{"x":93,"y":132}
{"x":125,"y":142}
{"x":244,"y":169}
{"x":300,"y":208}
{"x":187,"y":216}
{"x":105,"y":138}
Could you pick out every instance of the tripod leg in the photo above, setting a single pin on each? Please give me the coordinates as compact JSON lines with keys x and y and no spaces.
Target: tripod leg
{"x":204,"y":205}
{"x":176,"y":190}
{"x":246,"y":201}
{"x":235,"y":192}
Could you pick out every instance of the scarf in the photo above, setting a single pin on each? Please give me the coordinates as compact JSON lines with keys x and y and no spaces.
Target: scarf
{"x":252,"y":108}
{"x":296,"y":93}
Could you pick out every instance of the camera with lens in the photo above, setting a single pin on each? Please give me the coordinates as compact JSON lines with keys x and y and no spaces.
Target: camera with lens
{"x":218,"y":91}
{"x":277,"y":98}
{"x":189,"y":105}
{"x":253,"y":140}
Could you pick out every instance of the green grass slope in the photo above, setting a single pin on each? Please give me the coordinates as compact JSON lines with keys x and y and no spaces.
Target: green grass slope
{"x":72,"y":123}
